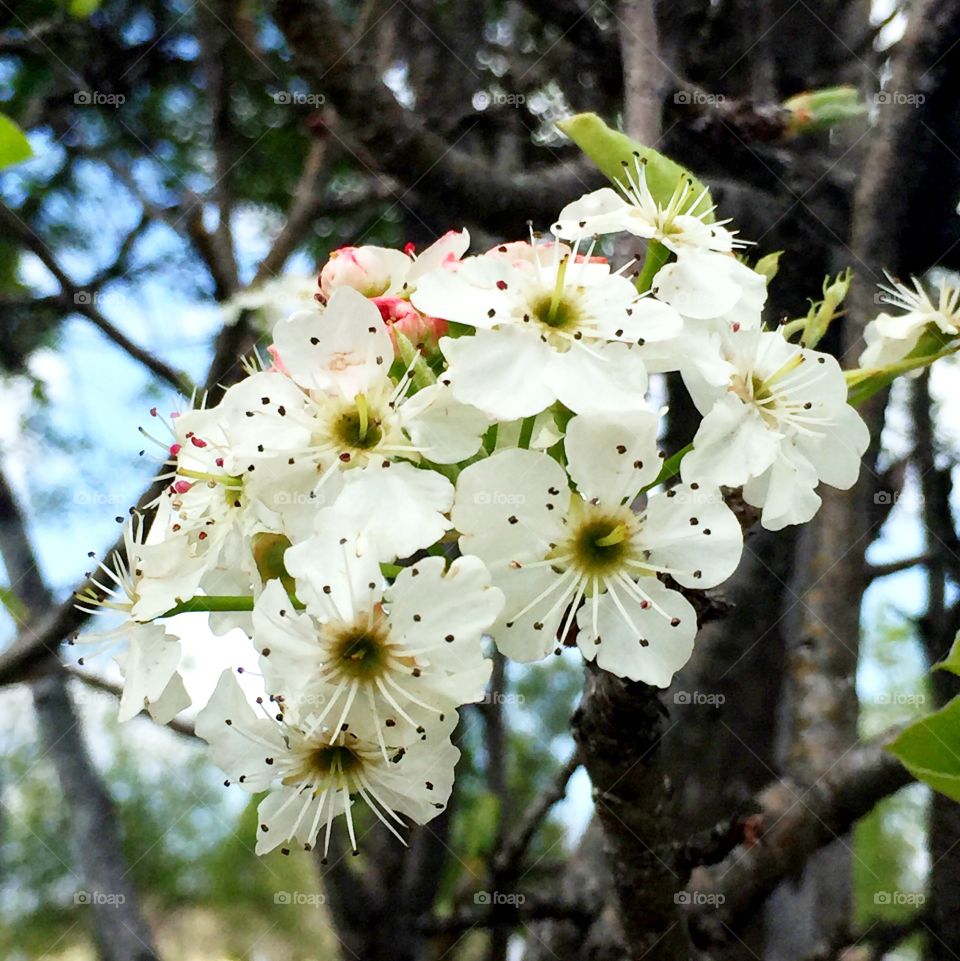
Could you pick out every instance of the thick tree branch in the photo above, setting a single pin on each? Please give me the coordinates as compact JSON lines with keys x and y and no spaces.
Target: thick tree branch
{"x":793,"y":822}
{"x":502,"y":200}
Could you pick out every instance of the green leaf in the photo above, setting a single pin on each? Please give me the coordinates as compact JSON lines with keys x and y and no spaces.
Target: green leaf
{"x":609,"y":149}
{"x":14,"y":146}
{"x":930,"y":749}
{"x":13,"y":604}
{"x":768,"y":266}
{"x":952,"y":661}
{"x":83,"y":8}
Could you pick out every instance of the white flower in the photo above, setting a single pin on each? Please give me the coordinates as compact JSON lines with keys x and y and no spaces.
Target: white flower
{"x":891,"y":337}
{"x":551,"y":327}
{"x":143,"y":582}
{"x":377,"y":650}
{"x":549,"y":549}
{"x":635,"y":211}
{"x":313,"y":778}
{"x":336,"y":418}
{"x":779,"y":427}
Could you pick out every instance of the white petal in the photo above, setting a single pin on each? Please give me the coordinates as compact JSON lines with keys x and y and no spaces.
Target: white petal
{"x":401,"y":507}
{"x":648,"y":321}
{"x":448,"y":248}
{"x":603,"y":211}
{"x":668,"y":625}
{"x":601,"y":377}
{"x":441,"y":428}
{"x":171,"y":702}
{"x":345,"y":348}
{"x":466,"y":295}
{"x":151,"y":660}
{"x":836,"y":450}
{"x":786,"y":492}
{"x":334,"y":568}
{"x":528,"y":633}
{"x":510,"y":506}
{"x":612,"y":456}
{"x":501,"y":372}
{"x":231,"y":746}
{"x":692,"y":531}
{"x":460,"y":603}
{"x":732,"y":444}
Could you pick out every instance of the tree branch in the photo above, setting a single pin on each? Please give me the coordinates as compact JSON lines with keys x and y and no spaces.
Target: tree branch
{"x":500,"y":199}
{"x":794,"y":822}
{"x":80,"y":300}
{"x":121,"y":932}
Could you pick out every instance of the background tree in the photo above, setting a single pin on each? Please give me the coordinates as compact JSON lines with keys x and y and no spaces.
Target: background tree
{"x":186,"y":152}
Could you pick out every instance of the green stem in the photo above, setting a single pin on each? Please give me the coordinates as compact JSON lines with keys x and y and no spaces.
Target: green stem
{"x":212,"y":602}
{"x":671,"y":467}
{"x":526,"y":433}
{"x":657,"y":256}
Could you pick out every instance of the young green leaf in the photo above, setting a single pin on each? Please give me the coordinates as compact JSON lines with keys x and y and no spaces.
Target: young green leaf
{"x":930,"y":749}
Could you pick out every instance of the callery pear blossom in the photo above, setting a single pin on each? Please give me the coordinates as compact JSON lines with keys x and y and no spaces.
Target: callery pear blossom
{"x":314,"y":775}
{"x":779,"y":427}
{"x":446,"y":449}
{"x":634,"y":210}
{"x":891,"y":337}
{"x":415,"y":642}
{"x":552,"y":550}
{"x":550,"y":326}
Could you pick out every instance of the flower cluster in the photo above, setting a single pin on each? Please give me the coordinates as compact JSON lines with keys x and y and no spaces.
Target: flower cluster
{"x":446,"y":448}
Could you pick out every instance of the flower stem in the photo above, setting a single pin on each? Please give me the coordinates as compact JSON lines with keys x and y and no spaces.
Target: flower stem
{"x":657,"y":256}
{"x":526,"y":433}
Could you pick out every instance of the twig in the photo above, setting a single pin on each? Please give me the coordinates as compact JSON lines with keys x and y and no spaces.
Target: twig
{"x":78,"y":299}
{"x":515,"y":846}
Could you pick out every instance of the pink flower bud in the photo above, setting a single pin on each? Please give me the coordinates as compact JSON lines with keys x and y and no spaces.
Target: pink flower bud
{"x":362,"y":268}
{"x":400,"y":315}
